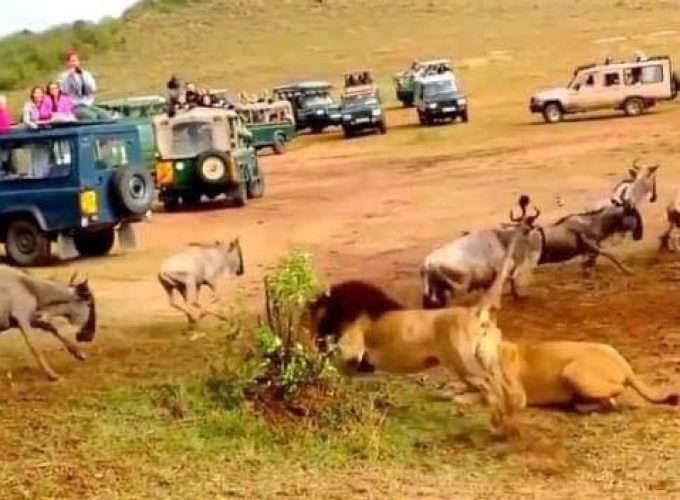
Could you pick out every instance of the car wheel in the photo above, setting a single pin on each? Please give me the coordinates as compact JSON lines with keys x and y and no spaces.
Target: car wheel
{"x":634,"y":106}
{"x":349,"y":133}
{"x":382,"y":128}
{"x":27,"y":244}
{"x":134,"y":189}
{"x":95,"y":244}
{"x":256,"y":187}
{"x":317,"y":129}
{"x":213,"y":167}
{"x":422,"y":118}
{"x":279,"y":144}
{"x":552,"y":113}
{"x":464,"y":116}
{"x":240,"y":194}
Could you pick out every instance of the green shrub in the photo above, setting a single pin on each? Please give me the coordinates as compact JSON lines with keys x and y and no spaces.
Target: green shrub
{"x":276,"y":359}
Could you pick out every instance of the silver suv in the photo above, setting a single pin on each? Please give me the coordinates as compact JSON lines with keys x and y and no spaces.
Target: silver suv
{"x":632,"y":87}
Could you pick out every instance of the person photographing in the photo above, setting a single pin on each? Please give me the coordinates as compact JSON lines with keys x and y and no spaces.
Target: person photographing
{"x":79,"y":84}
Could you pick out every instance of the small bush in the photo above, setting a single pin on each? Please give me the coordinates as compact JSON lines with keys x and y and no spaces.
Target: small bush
{"x":276,"y":360}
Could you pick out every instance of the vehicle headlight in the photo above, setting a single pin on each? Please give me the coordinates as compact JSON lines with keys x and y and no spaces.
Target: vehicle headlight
{"x":179,"y":165}
{"x":347,"y":117}
{"x":377,"y":112}
{"x":432,"y":105}
{"x":462,"y":102}
{"x":88,"y":202}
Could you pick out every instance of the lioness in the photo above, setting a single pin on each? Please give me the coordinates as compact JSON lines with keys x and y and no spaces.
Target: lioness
{"x":588,"y":375}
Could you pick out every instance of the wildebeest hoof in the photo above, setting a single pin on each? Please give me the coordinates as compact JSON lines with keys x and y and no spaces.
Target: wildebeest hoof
{"x":79,"y":355}
{"x":53,"y":377}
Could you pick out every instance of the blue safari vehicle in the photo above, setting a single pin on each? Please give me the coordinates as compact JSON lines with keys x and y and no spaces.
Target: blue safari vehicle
{"x":72,"y":184}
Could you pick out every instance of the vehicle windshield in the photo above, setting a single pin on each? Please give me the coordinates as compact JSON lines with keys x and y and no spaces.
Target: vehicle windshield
{"x":359,"y":100}
{"x":191,"y":139}
{"x":438,"y":88}
{"x":111,"y":153}
{"x":313,"y":101}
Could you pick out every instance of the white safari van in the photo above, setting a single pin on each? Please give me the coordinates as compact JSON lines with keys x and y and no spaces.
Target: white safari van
{"x":632,"y":87}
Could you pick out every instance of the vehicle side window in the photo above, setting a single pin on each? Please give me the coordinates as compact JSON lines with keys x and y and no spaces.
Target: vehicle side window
{"x":36,"y":160}
{"x":589,"y":80}
{"x":644,"y":75}
{"x":612,"y":79}
{"x":652,"y":74}
{"x":110,"y":153}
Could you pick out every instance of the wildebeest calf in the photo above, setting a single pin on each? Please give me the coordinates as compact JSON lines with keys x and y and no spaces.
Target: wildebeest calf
{"x":199,"y":265}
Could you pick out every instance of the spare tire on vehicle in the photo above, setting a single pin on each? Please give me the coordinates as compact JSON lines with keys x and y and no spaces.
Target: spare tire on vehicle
{"x":134,"y":189}
{"x":213,"y":167}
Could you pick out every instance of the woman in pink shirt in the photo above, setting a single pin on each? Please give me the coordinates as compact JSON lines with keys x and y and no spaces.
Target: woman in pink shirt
{"x":60,"y":105}
{"x":37,"y":109}
{"x":5,"y":118}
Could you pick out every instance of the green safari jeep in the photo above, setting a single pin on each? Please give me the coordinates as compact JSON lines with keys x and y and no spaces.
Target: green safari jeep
{"x":139,"y":111}
{"x":312,"y":103}
{"x":271,"y":123}
{"x":404,"y":82}
{"x":205,"y":152}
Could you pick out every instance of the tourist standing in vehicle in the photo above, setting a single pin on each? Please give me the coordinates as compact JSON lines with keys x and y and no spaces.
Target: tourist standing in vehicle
{"x":81,"y":87}
{"x":37,"y":109}
{"x":5,"y":117}
{"x":61,"y":105}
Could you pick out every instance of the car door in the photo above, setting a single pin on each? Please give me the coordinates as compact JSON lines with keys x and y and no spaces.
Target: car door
{"x":586,"y":93}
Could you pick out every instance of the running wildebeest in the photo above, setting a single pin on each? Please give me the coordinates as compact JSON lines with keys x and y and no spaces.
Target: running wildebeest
{"x":27,"y":303}
{"x":581,"y":235}
{"x":471,"y":261}
{"x":199,"y":265}
{"x":639,"y":186}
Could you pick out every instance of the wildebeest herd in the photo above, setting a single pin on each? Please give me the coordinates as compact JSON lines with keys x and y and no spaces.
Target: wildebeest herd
{"x":368,"y":330}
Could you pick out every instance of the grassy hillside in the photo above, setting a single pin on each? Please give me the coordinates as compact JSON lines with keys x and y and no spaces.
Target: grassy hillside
{"x":502,"y":49}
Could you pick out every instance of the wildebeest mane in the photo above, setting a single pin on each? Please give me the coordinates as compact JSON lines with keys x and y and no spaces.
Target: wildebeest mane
{"x":345,"y":302}
{"x":582,"y":214}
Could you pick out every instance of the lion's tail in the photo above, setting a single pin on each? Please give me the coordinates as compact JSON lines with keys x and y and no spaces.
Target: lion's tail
{"x":652,"y":395}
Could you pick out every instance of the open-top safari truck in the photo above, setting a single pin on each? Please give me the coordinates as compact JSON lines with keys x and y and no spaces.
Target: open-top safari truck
{"x":206,"y":152}
{"x":404,"y":81}
{"x":361,"y":104}
{"x":139,"y":111}
{"x":271,"y":123}
{"x":313,"y":105}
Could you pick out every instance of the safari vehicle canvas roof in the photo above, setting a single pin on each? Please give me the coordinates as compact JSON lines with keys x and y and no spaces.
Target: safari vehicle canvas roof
{"x":264,"y":106}
{"x":140,"y":101}
{"x":438,"y":78}
{"x":621,"y":64}
{"x":310,"y":85}
{"x":218,"y":118}
{"x":359,"y":90}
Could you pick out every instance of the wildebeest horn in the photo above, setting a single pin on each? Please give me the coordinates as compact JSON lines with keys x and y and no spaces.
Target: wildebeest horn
{"x":72,"y":280}
{"x":523,"y":204}
{"x":653,"y":168}
{"x":636,"y":164}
